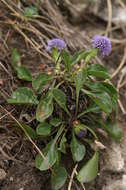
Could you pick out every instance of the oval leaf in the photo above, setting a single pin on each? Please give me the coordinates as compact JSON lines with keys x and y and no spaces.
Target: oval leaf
{"x":77,"y":149}
{"x":31,"y":132}
{"x":67,"y":60}
{"x":113,"y":130}
{"x":79,"y":79}
{"x":55,"y":122}
{"x":102,"y":99}
{"x":44,"y":109}
{"x":50,"y":158}
{"x":23,"y":95}
{"x":93,"y":108}
{"x":30,"y":11}
{"x":63,"y":144}
{"x":89,"y":171}
{"x":40,"y":81}
{"x":60,"y":98}
{"x":59,"y":178}
{"x":15,"y":58}
{"x":98,"y":70}
{"x":24,"y":73}
{"x":43,"y":129}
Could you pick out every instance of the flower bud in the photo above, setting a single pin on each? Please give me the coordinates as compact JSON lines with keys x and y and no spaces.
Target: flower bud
{"x":80,"y":130}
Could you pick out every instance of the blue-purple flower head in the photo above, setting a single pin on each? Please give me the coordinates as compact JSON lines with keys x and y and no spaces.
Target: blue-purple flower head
{"x":82,"y":133}
{"x":103,"y":44}
{"x":56,"y":43}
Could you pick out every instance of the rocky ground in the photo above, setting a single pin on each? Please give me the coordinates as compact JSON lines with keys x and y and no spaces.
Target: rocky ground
{"x":77,"y":21}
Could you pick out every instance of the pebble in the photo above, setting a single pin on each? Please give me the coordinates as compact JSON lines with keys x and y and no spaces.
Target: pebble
{"x":2,"y":174}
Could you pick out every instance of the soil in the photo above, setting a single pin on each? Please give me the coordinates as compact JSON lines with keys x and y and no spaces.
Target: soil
{"x":77,"y":23}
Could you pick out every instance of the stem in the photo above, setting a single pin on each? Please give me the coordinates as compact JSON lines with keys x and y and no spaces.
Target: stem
{"x":58,"y":64}
{"x":77,"y":98}
{"x":59,"y":133}
{"x":93,"y":133}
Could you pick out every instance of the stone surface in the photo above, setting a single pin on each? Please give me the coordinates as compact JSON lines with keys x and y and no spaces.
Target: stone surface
{"x":113,"y":165}
{"x":113,"y":158}
{"x":2,"y":174}
{"x":116,"y":184}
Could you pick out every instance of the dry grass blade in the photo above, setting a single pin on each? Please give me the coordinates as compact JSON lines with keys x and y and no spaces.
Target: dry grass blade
{"x":121,"y":107}
{"x":122,"y":4}
{"x":120,"y":65}
{"x":72,"y":176}
{"x":29,"y":138}
{"x":109,"y":4}
{"x":5,"y":69}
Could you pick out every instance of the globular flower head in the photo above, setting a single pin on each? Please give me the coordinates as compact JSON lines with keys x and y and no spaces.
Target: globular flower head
{"x":103,"y":44}
{"x":56,"y":43}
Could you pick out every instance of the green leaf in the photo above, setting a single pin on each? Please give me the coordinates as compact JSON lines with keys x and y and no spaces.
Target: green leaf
{"x":111,"y":89}
{"x":79,"y":127}
{"x":91,"y":54}
{"x":77,"y":149}
{"x":56,"y":55}
{"x":24,"y":73}
{"x":23,"y":95}
{"x":113,"y":130}
{"x":96,"y":87}
{"x":78,"y":57}
{"x":93,"y":108}
{"x":55,"y":122}
{"x":67,"y":60}
{"x":102,"y":99}
{"x":79,"y":79}
{"x":15,"y":58}
{"x":63,"y":144}
{"x":43,"y":129}
{"x":89,"y":171}
{"x":41,"y":80}
{"x":113,"y":93}
{"x":98,"y":70}
{"x":31,"y":132}
{"x":104,"y":87}
{"x":44,"y":108}
{"x":30,"y":11}
{"x":50,"y":154}
{"x":60,"y":98}
{"x":59,"y":177}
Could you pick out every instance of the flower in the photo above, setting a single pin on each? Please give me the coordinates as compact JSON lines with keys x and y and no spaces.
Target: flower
{"x":56,"y":42}
{"x":82,"y":133}
{"x":103,"y":43}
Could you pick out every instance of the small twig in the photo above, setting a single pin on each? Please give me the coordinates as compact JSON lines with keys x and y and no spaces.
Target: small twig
{"x":72,"y":176}
{"x":123,"y":83}
{"x":121,"y":107}
{"x":120,"y":65}
{"x":120,"y":81}
{"x":6,"y":114}
{"x":16,"y":13}
{"x":5,"y":69}
{"x":7,"y":156}
{"x":109,"y":4}
{"x":122,"y":4}
{"x":117,"y":41}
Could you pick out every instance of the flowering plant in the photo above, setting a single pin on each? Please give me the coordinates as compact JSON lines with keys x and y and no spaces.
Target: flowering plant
{"x":70,"y":103}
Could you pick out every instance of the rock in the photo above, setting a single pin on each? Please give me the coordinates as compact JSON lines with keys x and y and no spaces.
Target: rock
{"x":113,"y":159}
{"x":2,"y":174}
{"x":116,"y":184}
{"x":100,"y":9}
